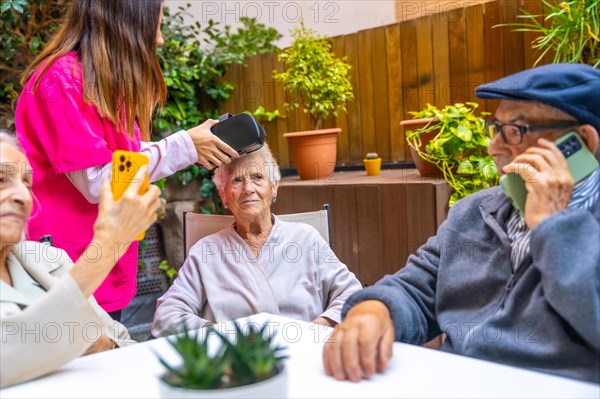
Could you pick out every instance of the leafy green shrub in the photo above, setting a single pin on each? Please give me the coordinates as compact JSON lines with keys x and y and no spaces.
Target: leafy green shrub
{"x":459,"y":148}
{"x":313,"y":76}
{"x":25,"y":28}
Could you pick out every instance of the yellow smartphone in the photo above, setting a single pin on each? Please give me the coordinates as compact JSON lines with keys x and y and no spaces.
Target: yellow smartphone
{"x":125,"y":165}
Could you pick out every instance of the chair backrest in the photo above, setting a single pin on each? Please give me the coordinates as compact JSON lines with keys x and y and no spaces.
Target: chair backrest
{"x":198,"y":225}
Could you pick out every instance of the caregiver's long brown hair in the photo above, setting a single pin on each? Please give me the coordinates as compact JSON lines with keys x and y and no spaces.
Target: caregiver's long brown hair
{"x":116,"y":44}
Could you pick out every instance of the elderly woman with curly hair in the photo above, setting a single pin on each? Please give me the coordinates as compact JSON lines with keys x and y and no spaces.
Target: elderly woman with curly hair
{"x":258,"y":264}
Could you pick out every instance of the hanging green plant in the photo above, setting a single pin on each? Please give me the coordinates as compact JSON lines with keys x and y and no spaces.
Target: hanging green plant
{"x":459,"y":148}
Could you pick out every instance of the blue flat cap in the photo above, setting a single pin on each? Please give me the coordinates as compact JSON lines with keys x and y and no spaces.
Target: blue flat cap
{"x":573,"y":88}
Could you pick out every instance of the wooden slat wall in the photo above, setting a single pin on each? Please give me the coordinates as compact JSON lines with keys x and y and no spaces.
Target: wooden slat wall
{"x":398,"y":68}
{"x":354,"y":111}
{"x":410,"y":98}
{"x":394,"y":75}
{"x":376,"y":224}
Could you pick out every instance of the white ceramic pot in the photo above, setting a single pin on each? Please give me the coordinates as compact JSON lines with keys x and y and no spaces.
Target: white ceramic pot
{"x":276,"y":387}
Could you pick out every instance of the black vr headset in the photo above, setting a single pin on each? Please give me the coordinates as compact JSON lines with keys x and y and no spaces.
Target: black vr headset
{"x":242,"y":132}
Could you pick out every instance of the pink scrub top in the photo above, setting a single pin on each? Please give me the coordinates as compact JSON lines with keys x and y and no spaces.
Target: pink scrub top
{"x":60,"y":132}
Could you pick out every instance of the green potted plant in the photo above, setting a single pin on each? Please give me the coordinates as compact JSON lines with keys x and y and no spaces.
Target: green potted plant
{"x":457,"y":146}
{"x":248,"y":365}
{"x":316,"y":80}
{"x":372,"y":162}
{"x":570,"y":29}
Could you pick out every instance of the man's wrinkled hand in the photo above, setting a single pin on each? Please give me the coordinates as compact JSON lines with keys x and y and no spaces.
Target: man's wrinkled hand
{"x":362,"y":344}
{"x":547,"y":179}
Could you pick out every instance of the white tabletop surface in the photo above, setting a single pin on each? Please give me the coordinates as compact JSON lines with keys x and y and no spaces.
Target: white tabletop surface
{"x":414,"y":371}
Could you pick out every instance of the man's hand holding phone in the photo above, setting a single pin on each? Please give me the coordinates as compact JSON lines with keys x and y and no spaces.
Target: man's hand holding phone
{"x":547,"y":178}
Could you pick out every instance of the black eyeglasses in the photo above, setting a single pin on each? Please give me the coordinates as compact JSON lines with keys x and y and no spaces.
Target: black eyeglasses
{"x":513,"y":134}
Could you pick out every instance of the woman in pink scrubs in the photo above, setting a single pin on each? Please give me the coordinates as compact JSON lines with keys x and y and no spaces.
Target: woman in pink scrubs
{"x":92,"y":91}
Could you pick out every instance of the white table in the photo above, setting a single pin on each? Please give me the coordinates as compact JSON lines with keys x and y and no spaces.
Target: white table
{"x":133,"y":372}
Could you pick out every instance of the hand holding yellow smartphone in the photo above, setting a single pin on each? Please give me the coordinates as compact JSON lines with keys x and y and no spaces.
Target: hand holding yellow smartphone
{"x":125,"y":165}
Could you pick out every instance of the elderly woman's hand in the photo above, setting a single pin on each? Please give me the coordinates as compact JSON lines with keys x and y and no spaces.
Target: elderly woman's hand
{"x":121,"y":221}
{"x":117,"y":225}
{"x":102,"y":344}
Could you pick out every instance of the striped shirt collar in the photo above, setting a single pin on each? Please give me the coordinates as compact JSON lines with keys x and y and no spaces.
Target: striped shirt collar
{"x":586,"y":192}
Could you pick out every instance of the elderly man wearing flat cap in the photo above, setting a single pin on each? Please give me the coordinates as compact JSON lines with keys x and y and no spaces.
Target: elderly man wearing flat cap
{"x":517,"y":289}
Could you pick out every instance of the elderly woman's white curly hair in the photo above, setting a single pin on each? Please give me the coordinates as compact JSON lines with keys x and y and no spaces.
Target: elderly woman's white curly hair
{"x":271,"y":168}
{"x":6,"y":137}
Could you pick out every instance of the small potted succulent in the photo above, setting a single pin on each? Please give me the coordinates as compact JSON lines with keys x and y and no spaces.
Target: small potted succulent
{"x":455,"y":141}
{"x":318,"y":82}
{"x":372,"y":163}
{"x":249,"y":365}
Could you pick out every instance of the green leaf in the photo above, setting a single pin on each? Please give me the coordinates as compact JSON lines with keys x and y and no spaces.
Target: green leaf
{"x":466,"y":167}
{"x":34,"y":44}
{"x":18,"y":7}
{"x":463,"y":132}
{"x":490,"y":171}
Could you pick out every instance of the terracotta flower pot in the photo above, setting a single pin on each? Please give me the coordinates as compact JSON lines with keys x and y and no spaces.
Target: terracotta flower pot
{"x":372,"y":166}
{"x":425,"y":168}
{"x":314,"y":152}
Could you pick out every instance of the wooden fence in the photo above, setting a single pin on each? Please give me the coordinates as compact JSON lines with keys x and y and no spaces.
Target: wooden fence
{"x":437,"y":59}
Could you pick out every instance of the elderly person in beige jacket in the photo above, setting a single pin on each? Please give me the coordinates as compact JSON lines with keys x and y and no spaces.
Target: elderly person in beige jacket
{"x":258,"y":264}
{"x":47,"y":313}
